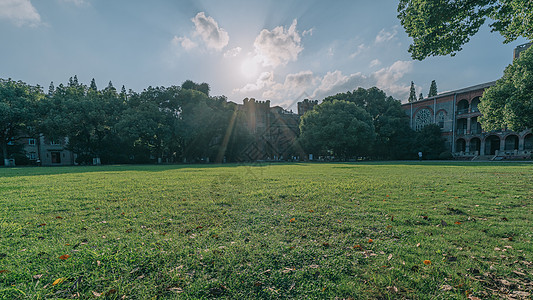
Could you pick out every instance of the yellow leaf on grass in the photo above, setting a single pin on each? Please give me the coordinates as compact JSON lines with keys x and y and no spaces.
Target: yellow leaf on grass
{"x":292,"y":220}
{"x":427,"y":262}
{"x":58,"y":281}
{"x":64,"y":256}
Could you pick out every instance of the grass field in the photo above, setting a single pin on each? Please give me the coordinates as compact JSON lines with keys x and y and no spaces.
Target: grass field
{"x":359,"y":231}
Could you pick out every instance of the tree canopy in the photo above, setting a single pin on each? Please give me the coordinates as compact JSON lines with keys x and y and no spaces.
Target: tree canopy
{"x":18,"y":102}
{"x":509,"y":103}
{"x":442,"y":27}
{"x":391,"y":124}
{"x":432,"y":89}
{"x":338,"y":128}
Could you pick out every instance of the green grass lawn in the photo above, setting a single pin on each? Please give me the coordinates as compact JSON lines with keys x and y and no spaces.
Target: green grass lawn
{"x":353,"y":231}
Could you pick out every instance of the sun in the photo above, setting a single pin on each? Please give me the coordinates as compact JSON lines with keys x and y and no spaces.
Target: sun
{"x":249,"y":68}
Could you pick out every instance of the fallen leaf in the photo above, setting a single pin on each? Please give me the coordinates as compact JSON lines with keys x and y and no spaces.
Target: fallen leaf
{"x":96,"y":294}
{"x":392,"y":289}
{"x":458,"y":223}
{"x":64,"y":256}
{"x":370,"y":241}
{"x":4,"y":271}
{"x":176,"y":290}
{"x":38,"y":276}
{"x":418,"y":245}
{"x":446,"y":287}
{"x":311,"y":211}
{"x":292,"y":220}
{"x":287,"y":270}
{"x":111,"y":292}
{"x":390,"y":257}
{"x":59,"y":217}
{"x":58,"y":281}
{"x":357,"y":247}
{"x":427,"y":262}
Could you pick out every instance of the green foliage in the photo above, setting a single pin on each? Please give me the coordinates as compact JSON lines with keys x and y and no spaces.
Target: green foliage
{"x":204,"y":232}
{"x":412,"y":93}
{"x":429,"y":140}
{"x":433,"y":89}
{"x":18,"y":111}
{"x":393,"y":133}
{"x":442,"y":27}
{"x":509,"y":103}
{"x":337,"y":127}
{"x":191,"y":85}
{"x":446,"y":155}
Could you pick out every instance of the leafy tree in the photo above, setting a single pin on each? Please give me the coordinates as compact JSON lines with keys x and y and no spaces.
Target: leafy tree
{"x":442,"y":27}
{"x":191,"y":85}
{"x":85,"y":116}
{"x":429,"y":140}
{"x":18,"y":103}
{"x":93,"y":85}
{"x":412,"y":93}
{"x":432,"y":89}
{"x":393,"y":133}
{"x":337,"y":127}
{"x":509,"y":103}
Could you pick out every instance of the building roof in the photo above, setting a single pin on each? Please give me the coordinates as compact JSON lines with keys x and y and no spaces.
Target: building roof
{"x":460,"y":91}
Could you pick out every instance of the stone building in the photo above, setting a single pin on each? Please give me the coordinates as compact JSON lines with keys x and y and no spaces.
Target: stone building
{"x":46,"y":152}
{"x":457,"y":115}
{"x":274,"y":131}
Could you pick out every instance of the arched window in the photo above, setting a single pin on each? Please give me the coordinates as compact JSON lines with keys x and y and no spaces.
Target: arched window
{"x":474,"y":104}
{"x":441,"y":117}
{"x":462,"y":107}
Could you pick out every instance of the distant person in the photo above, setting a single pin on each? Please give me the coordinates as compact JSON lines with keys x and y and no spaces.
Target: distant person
{"x":419,"y":155}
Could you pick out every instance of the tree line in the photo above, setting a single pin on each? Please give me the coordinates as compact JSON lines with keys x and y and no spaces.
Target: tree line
{"x":185,"y":124}
{"x":171,"y":124}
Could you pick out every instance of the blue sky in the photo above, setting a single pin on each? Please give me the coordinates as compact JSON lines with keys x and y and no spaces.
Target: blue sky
{"x":283,"y":51}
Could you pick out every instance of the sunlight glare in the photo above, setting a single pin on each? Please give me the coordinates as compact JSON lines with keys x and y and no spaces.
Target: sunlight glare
{"x":249,"y":68}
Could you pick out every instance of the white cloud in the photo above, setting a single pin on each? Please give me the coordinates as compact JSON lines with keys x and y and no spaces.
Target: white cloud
{"x":279,"y":46}
{"x":207,"y":28}
{"x":184,"y":42}
{"x":265,"y":80}
{"x":375,"y":63}
{"x":77,"y":2}
{"x":20,"y":12}
{"x":295,"y":86}
{"x":360,"y":49}
{"x":388,"y":79}
{"x":233,"y":52}
{"x":335,"y":82}
{"x":385,"y":36}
